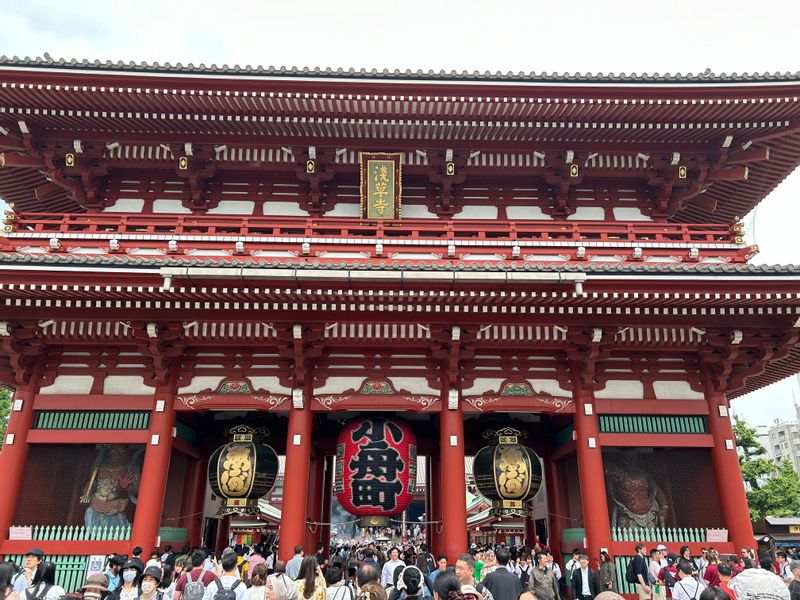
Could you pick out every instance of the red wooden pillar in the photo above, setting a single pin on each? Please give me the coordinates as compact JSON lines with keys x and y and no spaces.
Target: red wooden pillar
{"x":452,"y":480}
{"x":436,"y":504}
{"x":590,"y":469}
{"x":221,"y":538}
{"x":195,"y":490}
{"x":314,"y":503}
{"x":153,"y":483}
{"x":295,"y":479}
{"x":732,"y":497}
{"x":15,"y":446}
{"x":327,"y":499}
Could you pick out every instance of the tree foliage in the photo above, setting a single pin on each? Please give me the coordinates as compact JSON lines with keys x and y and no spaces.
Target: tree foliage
{"x":5,"y":410}
{"x":772,"y":489}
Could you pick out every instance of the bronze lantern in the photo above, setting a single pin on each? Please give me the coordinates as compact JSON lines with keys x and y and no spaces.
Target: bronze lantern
{"x":243,"y":470}
{"x":507,"y":473}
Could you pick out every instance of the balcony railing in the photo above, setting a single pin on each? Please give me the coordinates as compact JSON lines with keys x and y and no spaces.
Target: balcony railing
{"x":453,"y":239}
{"x":658,"y":534}
{"x":79,"y":533}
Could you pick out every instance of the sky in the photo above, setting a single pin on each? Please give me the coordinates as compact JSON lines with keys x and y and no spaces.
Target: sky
{"x":674,"y":36}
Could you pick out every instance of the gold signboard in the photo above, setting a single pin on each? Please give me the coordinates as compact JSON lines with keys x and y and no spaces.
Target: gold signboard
{"x":381,"y":185}
{"x":794,"y":528}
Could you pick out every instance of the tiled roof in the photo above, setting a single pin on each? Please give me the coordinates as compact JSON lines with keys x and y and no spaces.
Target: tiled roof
{"x":704,"y":77}
{"x":388,"y":264}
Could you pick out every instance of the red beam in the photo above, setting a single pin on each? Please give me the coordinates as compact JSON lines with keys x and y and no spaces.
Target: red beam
{"x":87,"y":436}
{"x":64,"y":547}
{"x":651,"y":407}
{"x":657,"y":440}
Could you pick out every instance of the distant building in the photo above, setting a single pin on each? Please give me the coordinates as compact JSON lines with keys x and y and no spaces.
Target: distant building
{"x":783,"y":442}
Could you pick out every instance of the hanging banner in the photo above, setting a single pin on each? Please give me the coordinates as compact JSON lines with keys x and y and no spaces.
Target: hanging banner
{"x":381,"y":185}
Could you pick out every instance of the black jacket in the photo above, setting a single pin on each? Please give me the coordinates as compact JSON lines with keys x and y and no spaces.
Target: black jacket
{"x":503,"y":584}
{"x":577,"y":583}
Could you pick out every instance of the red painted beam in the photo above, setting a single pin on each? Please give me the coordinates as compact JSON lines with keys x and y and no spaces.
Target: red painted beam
{"x":657,"y":440}
{"x":64,"y":547}
{"x":86,"y":436}
{"x":651,"y":407}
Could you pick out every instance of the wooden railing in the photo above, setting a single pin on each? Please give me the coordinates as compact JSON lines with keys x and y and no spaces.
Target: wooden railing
{"x":79,"y":533}
{"x":572,"y":240}
{"x":652,"y":424}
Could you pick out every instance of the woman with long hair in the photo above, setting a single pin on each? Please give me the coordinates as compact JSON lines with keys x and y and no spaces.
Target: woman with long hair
{"x":43,"y":586}
{"x":167,"y":585}
{"x":607,"y":572}
{"x":7,"y":572}
{"x":310,"y":581}
{"x":447,"y":586}
{"x":258,"y":582}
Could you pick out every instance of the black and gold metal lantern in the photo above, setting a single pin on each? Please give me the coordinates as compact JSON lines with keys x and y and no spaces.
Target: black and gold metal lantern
{"x":243,"y":470}
{"x":507,"y":473}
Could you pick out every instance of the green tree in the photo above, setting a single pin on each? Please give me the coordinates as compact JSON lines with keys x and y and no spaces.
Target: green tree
{"x":5,"y":410}
{"x":772,"y":490}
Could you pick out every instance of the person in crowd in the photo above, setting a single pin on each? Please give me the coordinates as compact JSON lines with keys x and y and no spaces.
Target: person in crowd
{"x":390,"y":565}
{"x":759,"y":582}
{"x":94,"y":588}
{"x":229,"y":579}
{"x":369,"y":559}
{"x":7,"y":572}
{"x":552,"y":564}
{"x":367,"y":574}
{"x":131,"y":578}
{"x":685,"y":553}
{"x":310,"y":582}
{"x":585,"y":585}
{"x":256,"y":558}
{"x":441,"y":567}
{"x":43,"y":586}
{"x":479,"y":563}
{"x":425,"y":561}
{"x":713,"y":593}
{"x":663,"y":551}
{"x":168,"y":557}
{"x":608,"y":573}
{"x":410,"y":583}
{"x":280,"y":587}
{"x":525,"y":568}
{"x":572,"y":564}
{"x":503,"y":584}
{"x":543,"y":578}
{"x":657,"y":590}
{"x":711,"y":571}
{"x":393,"y":592}
{"x":783,"y":568}
{"x":151,"y":579}
{"x":155,"y":559}
{"x":269,"y":559}
{"x":167,"y":585}
{"x":447,"y":587}
{"x":258,"y":583}
{"x":33,"y":558}
{"x":668,"y":576}
{"x":465,"y":571}
{"x":337,"y":586}
{"x":725,"y":574}
{"x":641,"y":571}
{"x":197,"y":574}
{"x":794,"y":584}
{"x":687,"y":587}
{"x":733,"y":563}
{"x":490,"y":563}
{"x":113,"y":571}
{"x":293,"y":566}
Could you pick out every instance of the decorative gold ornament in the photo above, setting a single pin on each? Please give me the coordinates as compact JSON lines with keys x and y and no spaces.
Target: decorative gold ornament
{"x":69,"y":159}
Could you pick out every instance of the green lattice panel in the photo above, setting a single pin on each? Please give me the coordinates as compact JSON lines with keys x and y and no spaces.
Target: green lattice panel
{"x":85,"y":419}
{"x":652,"y":424}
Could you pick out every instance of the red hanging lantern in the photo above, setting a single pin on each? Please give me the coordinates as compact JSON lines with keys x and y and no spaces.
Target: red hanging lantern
{"x":376,"y":467}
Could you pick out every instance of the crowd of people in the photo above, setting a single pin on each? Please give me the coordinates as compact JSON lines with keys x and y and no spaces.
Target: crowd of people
{"x":368,"y":571}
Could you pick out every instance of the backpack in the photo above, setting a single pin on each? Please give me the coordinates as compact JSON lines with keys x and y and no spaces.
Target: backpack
{"x":194,"y":590}
{"x":630,"y":572}
{"x":41,"y":595}
{"x":669,"y":578}
{"x":225,"y":594}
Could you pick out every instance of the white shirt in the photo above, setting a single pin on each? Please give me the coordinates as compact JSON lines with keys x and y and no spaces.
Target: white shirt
{"x":387,"y":574}
{"x":752,"y":583}
{"x":687,"y":588}
{"x":572,"y":565}
{"x":553,"y":566}
{"x":585,"y":591}
{"x":227,"y":582}
{"x":54,"y":593}
{"x":257,"y":592}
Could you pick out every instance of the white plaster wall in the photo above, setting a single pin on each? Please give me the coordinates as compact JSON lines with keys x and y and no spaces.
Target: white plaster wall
{"x":344,"y":210}
{"x":622,"y":388}
{"x":126,"y":384}
{"x":629,"y":213}
{"x":521,"y":213}
{"x":270,"y":384}
{"x":415,"y":385}
{"x":126,"y":205}
{"x":200,"y":383}
{"x":477,"y":212}
{"x":169,"y":206}
{"x":675,"y":390}
{"x":483,"y":385}
{"x":587,"y":213}
{"x":549,"y":386}
{"x":337,"y":385}
{"x":417,"y":211}
{"x":283,"y":209}
{"x":69,"y":384}
{"x":233,"y":207}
